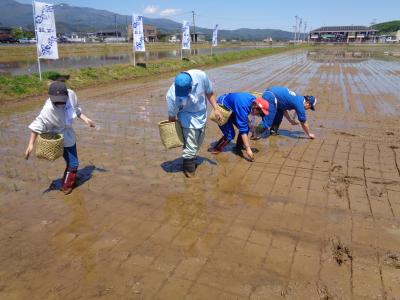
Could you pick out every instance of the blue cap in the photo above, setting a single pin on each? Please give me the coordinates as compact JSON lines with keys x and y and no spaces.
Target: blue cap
{"x":183,"y":84}
{"x":312,"y":100}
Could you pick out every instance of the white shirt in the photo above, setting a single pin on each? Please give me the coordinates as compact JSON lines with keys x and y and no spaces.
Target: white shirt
{"x":55,"y":119}
{"x":192,"y":110}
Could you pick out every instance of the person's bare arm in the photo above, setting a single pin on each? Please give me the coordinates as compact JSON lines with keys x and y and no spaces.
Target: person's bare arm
{"x":213,"y":101}
{"x":246,"y":144}
{"x":88,"y":121}
{"x":306,"y":129}
{"x":31,"y":144}
{"x":287,"y":116}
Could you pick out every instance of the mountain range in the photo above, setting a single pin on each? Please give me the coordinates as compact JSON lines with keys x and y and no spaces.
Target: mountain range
{"x":84,"y":19}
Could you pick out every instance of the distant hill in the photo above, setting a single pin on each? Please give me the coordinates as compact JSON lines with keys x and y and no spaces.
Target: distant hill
{"x":84,"y":19}
{"x":387,"y":27}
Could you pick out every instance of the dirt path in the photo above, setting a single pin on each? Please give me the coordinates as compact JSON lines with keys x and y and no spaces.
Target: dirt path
{"x":308,"y":220}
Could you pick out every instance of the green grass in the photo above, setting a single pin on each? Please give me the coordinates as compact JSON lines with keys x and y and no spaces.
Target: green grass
{"x":22,"y":86}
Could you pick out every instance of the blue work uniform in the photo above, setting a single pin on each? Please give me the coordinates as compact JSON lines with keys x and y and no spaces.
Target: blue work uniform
{"x":240,"y":105}
{"x":286,"y":100}
{"x":268,"y":120}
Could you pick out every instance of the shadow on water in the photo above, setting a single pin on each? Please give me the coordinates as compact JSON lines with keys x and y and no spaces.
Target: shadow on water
{"x":175,"y":166}
{"x":83,"y":175}
{"x":294,"y":134}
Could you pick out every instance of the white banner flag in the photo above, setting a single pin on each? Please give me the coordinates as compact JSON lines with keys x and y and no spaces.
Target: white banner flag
{"x":185,"y":36}
{"x":138,"y":36}
{"x":215,"y":36}
{"x":45,"y":28}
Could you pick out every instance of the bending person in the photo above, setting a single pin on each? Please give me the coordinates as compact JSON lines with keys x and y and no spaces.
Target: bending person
{"x":242,"y":105}
{"x":186,"y":101}
{"x":288,"y":100}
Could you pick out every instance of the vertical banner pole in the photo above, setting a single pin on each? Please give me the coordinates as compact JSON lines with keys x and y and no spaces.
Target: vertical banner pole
{"x":214,"y":42}
{"x":36,"y":37}
{"x":185,"y":37}
{"x":40,"y":71}
{"x":138,"y":36}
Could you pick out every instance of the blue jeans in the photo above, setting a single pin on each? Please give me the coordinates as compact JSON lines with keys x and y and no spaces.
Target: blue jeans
{"x":71,"y":157}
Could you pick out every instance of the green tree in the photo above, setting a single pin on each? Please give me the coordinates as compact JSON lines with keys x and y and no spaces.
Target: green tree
{"x":18,"y":33}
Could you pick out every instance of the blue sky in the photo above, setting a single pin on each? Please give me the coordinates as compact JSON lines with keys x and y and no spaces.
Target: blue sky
{"x":254,"y":13}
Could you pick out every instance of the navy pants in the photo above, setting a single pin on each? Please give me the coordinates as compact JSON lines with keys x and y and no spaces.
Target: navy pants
{"x":71,"y":158}
{"x":278,"y":119}
{"x":274,"y":116}
{"x":227,"y":129}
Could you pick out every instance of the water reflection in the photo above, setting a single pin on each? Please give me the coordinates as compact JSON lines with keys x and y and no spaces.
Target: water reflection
{"x":74,"y":62}
{"x":339,"y":56}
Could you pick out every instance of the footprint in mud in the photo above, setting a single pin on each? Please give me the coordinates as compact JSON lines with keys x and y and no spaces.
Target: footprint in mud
{"x":377,"y":192}
{"x":323,"y":293}
{"x":340,"y":252}
{"x":336,"y":167}
{"x":392,"y":259}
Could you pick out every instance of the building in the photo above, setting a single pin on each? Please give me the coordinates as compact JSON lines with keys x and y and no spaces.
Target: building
{"x":110,"y":37}
{"x":343,"y":34}
{"x":392,"y":37}
{"x":198,"y":37}
{"x":6,"y":36}
{"x":149,"y":31}
{"x":174,"y":38}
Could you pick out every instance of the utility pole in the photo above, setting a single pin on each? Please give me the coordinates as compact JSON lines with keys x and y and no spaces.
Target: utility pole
{"x":305,"y":30}
{"x":115,"y":24}
{"x":301,"y":22}
{"x":295,"y":30}
{"x":194,"y":28}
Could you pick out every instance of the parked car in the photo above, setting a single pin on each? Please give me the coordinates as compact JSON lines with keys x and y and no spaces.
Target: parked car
{"x":63,"y":39}
{"x":27,"y":41}
{"x":7,"y":39}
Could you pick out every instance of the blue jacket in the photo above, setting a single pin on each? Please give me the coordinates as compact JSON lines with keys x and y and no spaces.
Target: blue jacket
{"x":240,"y":105}
{"x":288,"y":100}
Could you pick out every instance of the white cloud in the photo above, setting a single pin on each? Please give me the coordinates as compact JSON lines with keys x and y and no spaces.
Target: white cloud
{"x":151,"y":9}
{"x":169,"y":12}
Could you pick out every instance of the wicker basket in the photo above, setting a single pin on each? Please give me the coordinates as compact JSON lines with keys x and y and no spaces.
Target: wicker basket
{"x":256,"y":94}
{"x":49,"y":146}
{"x":226,"y":113}
{"x":171,"y":134}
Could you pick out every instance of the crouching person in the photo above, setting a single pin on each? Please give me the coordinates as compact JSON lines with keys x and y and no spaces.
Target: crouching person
{"x":241,"y":105}
{"x":57,"y":116}
{"x":186,"y":101}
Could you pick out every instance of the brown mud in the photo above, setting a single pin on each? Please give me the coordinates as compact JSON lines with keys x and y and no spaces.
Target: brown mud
{"x":309,"y":219}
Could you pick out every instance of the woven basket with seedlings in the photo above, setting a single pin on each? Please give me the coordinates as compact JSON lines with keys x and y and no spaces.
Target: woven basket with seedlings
{"x":226,"y":113}
{"x":171,"y":134}
{"x":49,"y":146}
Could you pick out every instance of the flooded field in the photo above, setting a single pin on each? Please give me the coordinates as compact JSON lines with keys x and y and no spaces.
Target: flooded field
{"x":80,"y":61}
{"x":309,"y":219}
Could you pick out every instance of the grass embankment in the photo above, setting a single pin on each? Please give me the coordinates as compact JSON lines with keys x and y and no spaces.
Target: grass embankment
{"x":22,"y":86}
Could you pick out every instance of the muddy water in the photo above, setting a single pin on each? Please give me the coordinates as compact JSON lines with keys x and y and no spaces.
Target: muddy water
{"x":307,"y":220}
{"x":72,"y":62}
